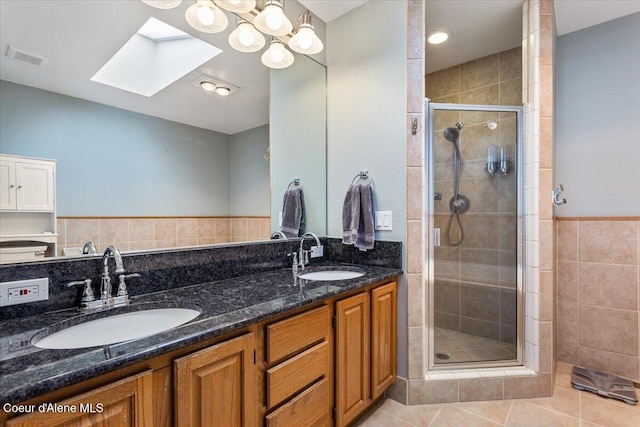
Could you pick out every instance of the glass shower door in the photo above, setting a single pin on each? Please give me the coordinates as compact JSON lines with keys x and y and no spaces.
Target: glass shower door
{"x":475,"y":244}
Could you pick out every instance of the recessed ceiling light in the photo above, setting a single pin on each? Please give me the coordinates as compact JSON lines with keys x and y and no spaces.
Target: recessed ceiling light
{"x":438,"y":37}
{"x":214,"y":85}
{"x":223,"y":91}
{"x":208,"y":86}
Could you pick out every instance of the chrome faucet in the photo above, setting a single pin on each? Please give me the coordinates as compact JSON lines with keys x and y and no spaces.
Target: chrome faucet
{"x":107,"y":300}
{"x":89,"y":248}
{"x":278,"y":235}
{"x":105,"y":284}
{"x":303,"y":256}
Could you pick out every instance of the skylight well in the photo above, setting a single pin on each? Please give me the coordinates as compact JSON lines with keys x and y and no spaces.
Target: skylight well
{"x":153,"y":58}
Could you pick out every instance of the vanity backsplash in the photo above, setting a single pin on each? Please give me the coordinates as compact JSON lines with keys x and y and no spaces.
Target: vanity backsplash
{"x":178,"y":268}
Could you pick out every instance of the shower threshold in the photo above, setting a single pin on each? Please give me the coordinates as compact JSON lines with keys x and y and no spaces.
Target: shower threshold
{"x":457,"y":347}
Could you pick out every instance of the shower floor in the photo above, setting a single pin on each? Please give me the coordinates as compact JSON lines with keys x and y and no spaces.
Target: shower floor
{"x":456,"y":347}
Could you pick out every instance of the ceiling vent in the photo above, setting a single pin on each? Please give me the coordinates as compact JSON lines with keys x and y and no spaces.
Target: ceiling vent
{"x":26,"y":56}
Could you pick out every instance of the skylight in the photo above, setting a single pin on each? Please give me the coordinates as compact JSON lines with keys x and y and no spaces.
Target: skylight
{"x":156,"y":56}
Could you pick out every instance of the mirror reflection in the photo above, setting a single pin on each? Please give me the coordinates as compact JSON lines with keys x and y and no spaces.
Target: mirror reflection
{"x":180,"y":168}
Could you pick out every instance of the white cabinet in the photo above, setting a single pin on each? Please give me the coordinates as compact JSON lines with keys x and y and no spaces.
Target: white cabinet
{"x":27,"y":184}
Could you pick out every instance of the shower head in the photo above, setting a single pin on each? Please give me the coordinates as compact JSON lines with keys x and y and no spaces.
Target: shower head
{"x":451,"y":135}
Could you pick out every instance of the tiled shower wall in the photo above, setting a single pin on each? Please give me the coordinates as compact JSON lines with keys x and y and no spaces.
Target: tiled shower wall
{"x":475,"y":282}
{"x":152,"y":233}
{"x":598,"y":287}
{"x":420,"y":386}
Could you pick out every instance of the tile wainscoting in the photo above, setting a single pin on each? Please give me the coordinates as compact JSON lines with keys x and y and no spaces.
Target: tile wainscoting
{"x":598,"y":287}
{"x":142,"y":233}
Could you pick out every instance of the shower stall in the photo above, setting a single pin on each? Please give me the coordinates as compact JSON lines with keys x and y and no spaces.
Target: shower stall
{"x":475,"y":244}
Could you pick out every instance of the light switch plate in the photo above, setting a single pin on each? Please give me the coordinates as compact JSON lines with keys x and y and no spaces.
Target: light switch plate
{"x":384,"y":221}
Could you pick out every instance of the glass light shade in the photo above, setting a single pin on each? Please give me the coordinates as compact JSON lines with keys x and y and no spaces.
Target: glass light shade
{"x":223,"y":91}
{"x":237,"y":6}
{"x":245,"y":38}
{"x":277,"y":56}
{"x":306,"y":41}
{"x":272,"y":20}
{"x":208,"y":86}
{"x":162,"y":4}
{"x":199,"y":16}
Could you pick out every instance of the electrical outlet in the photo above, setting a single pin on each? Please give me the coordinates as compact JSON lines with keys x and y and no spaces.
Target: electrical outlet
{"x":317,"y":251}
{"x":24,"y":291}
{"x":384,"y":221}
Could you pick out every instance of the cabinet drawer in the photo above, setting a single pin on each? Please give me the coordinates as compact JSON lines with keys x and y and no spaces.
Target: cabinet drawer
{"x":287,"y":378}
{"x":295,"y":333}
{"x":311,"y":408}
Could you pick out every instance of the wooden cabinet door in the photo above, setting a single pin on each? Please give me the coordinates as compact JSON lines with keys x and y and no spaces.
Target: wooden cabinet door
{"x":7,"y":184}
{"x":383,"y":338}
{"x":34,"y":186}
{"x":126,"y":403}
{"x":352,"y":358}
{"x":217,"y":386}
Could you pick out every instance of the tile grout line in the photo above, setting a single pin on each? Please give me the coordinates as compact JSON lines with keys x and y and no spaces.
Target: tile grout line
{"x":508,"y":414}
{"x":436,"y":415}
{"x":478,"y":415}
{"x":394,"y":416}
{"x":550,"y":410}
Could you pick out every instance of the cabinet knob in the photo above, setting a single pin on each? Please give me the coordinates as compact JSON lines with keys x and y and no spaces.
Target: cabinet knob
{"x":12,"y":186}
{"x":19,"y":187}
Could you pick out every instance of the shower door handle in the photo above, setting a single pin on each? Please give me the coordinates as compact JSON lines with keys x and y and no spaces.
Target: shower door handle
{"x":556,"y":196}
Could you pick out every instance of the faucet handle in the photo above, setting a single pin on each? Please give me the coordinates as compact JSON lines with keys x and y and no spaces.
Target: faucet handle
{"x":122,"y":287}
{"x":87,"y":292}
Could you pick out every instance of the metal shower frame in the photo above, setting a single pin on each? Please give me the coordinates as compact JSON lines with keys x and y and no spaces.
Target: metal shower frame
{"x":519,"y":164}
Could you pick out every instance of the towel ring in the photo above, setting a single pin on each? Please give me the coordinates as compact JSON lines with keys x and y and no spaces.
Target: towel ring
{"x":295,"y":182}
{"x":362,"y":175}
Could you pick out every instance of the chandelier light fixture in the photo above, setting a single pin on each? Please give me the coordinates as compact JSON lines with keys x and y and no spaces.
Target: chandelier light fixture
{"x":245,"y":38}
{"x":277,"y":56}
{"x":305,"y":39}
{"x":272,"y":20}
{"x":237,"y":6}
{"x":207,"y":16}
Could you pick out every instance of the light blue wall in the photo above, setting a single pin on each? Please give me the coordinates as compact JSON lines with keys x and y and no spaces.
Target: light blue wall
{"x":115,"y":162}
{"x":597,"y":101}
{"x":298,"y":119}
{"x":367,"y":108}
{"x":250,"y":186}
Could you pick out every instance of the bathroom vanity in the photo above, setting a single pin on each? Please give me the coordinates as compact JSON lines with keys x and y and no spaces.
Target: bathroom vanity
{"x":263,"y":351}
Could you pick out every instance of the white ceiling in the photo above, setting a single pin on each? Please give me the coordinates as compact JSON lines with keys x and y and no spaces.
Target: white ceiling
{"x":80,"y":36}
{"x":328,"y":10}
{"x":478,"y":28}
{"x":483,"y":27}
{"x":574,"y":15}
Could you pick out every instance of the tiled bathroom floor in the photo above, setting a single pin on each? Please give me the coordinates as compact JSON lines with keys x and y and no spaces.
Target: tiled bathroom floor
{"x":567,"y":407}
{"x":452,"y":346}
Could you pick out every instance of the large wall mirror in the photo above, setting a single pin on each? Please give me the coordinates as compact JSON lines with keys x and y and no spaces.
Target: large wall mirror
{"x":182,"y":167}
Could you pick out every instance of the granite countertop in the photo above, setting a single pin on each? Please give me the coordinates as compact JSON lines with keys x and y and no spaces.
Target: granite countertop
{"x":27,"y":371}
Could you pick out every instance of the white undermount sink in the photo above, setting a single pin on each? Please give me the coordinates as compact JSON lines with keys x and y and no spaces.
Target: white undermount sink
{"x":329,"y":275}
{"x":116,"y":328}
